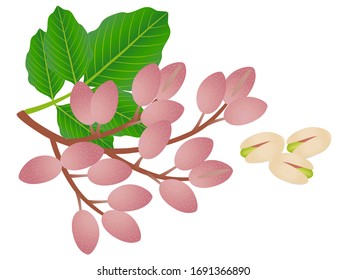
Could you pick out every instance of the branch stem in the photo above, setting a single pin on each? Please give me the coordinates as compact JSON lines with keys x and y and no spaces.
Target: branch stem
{"x":137,"y":163}
{"x":67,"y":175}
{"x":114,"y":153}
{"x":199,"y":121}
{"x":143,"y":171}
{"x":168,"y":171}
{"x":78,"y":175}
{"x":98,"y":201}
{"x":23,"y":116}
{"x":183,"y":136}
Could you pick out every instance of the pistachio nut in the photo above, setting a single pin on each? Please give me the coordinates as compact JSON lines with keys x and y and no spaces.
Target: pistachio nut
{"x":291,"y":168}
{"x":261,"y":147}
{"x":309,"y":141}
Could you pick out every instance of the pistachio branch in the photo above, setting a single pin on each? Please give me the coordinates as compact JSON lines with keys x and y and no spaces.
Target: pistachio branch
{"x":80,"y":195}
{"x":110,"y":152}
{"x":135,"y":120}
{"x":168,"y":171}
{"x":146,"y":172}
{"x":24,"y":117}
{"x":181,"y":137}
{"x":98,"y":201}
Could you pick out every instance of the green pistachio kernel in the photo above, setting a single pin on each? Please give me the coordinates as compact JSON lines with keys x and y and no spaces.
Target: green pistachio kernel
{"x":292,"y":146}
{"x":308,"y":172}
{"x":246,"y":151}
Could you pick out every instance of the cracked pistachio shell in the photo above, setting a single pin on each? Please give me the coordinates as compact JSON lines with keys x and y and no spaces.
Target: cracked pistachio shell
{"x":172,"y":78}
{"x":239,"y":84}
{"x":146,"y":84}
{"x":210,"y":173}
{"x":287,"y":167}
{"x":309,"y":141}
{"x":262,"y":147}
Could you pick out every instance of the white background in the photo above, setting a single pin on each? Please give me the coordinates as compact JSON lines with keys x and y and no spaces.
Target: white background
{"x":281,"y":231}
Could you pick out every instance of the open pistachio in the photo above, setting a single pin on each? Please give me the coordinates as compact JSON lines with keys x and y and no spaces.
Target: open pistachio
{"x":261,"y":147}
{"x":291,"y":168}
{"x":309,"y":141}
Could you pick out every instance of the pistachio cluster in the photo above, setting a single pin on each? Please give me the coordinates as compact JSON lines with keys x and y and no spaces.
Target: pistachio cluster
{"x":292,"y":167}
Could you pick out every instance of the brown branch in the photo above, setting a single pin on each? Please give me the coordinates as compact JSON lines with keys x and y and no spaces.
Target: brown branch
{"x":72,"y":183}
{"x":24,"y":117}
{"x":186,"y":135}
{"x":146,"y":172}
{"x":199,"y":121}
{"x":51,"y":135}
{"x":111,"y":152}
{"x":78,"y":175}
{"x":168,"y":171}
{"x":98,"y":201}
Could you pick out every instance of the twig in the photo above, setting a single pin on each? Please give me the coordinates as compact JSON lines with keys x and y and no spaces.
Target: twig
{"x":78,"y":175}
{"x":146,"y":172}
{"x":137,"y":163}
{"x":199,"y":121}
{"x":186,"y":135}
{"x":45,"y":132}
{"x":168,"y":171}
{"x":67,"y":175}
{"x":98,"y":201}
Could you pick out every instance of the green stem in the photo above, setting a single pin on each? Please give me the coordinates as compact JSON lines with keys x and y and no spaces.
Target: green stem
{"x":46,"y":105}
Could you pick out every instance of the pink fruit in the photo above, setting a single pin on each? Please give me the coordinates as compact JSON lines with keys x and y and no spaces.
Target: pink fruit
{"x":146,"y":84}
{"x":85,"y":231}
{"x":210,"y":173}
{"x":193,"y":152}
{"x":244,"y":110}
{"x":109,"y":171}
{"x":80,"y":101}
{"x":239,"y":84}
{"x":211,"y":92}
{"x":172,"y":78}
{"x":154,"y":139}
{"x":104,"y":102}
{"x":178,"y":195}
{"x":81,"y":155}
{"x":162,"y":110}
{"x":121,"y":225}
{"x":40,"y":169}
{"x":129,"y":197}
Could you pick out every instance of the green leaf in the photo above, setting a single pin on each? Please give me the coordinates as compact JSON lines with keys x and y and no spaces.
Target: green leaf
{"x":70,"y":127}
{"x":67,"y":46}
{"x":43,"y":79}
{"x":125,"y":111}
{"x":124,"y":43}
